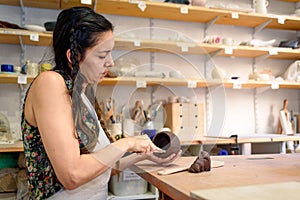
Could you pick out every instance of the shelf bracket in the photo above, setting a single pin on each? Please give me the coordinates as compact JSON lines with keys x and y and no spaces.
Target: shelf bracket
{"x":209,"y":24}
{"x":262,"y":26}
{"x":23,"y":16}
{"x":260,"y":59}
{"x":22,"y":50}
{"x":297,"y":34}
{"x":211,"y":55}
{"x":95,"y":5}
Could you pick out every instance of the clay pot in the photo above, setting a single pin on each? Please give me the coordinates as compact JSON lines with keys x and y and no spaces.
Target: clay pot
{"x":198,"y":2}
{"x":167,"y":141}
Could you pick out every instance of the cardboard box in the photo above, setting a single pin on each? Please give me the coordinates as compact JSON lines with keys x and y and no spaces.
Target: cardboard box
{"x":186,"y":120}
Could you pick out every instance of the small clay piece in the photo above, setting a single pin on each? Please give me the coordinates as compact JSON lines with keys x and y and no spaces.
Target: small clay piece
{"x":167,"y":141}
{"x":202,"y":163}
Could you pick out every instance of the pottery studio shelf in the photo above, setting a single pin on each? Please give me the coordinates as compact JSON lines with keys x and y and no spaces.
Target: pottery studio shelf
{"x":190,"y":83}
{"x":171,"y":11}
{"x":19,"y":36}
{"x":182,"y":47}
{"x":49,"y":4}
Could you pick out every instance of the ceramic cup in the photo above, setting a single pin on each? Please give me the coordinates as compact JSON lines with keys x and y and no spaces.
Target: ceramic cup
{"x":227,"y":41}
{"x":167,"y":141}
{"x":261,"y":6}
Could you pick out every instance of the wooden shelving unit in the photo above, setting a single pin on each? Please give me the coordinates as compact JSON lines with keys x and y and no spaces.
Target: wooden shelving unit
{"x":171,"y":11}
{"x":152,"y":81}
{"x":12,"y":79}
{"x":48,"y":4}
{"x":17,"y":36}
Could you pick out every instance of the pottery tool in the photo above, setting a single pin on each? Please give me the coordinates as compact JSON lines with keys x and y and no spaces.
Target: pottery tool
{"x":179,"y":168}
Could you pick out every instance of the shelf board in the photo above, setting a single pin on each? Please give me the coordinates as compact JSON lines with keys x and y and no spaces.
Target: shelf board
{"x":51,"y":4}
{"x":171,"y":11}
{"x":203,"y":48}
{"x":152,"y":81}
{"x":48,"y":4}
{"x":293,"y":1}
{"x":12,"y":36}
{"x":72,"y":3}
{"x":12,"y":79}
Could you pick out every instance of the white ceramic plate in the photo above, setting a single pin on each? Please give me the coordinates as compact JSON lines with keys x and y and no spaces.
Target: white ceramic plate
{"x":35,"y":28}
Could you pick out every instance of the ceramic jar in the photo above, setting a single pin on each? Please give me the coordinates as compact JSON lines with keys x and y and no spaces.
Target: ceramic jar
{"x":167,"y":141}
{"x":261,"y":6}
{"x":198,"y":2}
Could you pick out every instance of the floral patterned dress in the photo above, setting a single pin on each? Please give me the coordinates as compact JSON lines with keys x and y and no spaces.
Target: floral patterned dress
{"x":42,"y":180}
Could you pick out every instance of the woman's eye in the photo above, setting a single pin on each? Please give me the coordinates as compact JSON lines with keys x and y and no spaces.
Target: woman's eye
{"x":102,"y":57}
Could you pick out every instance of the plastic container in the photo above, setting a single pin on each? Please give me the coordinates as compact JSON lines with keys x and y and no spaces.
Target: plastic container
{"x":8,"y":160}
{"x":127,"y":183}
{"x":7,"y":68}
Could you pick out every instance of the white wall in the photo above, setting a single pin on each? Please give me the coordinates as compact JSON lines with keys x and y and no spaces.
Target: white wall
{"x":230,"y":111}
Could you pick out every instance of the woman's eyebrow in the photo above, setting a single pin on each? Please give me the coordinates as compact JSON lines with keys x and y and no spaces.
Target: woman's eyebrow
{"x":104,"y":51}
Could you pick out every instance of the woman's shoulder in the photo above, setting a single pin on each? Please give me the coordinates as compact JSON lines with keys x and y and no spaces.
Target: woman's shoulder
{"x":49,"y":80}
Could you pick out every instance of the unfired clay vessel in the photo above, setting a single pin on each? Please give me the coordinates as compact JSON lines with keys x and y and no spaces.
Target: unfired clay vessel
{"x":167,"y":141}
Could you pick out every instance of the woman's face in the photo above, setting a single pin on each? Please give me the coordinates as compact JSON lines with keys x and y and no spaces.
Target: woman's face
{"x":97,"y":59}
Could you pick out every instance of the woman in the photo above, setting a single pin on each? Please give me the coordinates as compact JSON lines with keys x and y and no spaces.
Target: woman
{"x":68,"y":153}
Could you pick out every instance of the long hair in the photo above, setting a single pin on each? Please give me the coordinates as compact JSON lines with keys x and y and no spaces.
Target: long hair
{"x":79,"y":29}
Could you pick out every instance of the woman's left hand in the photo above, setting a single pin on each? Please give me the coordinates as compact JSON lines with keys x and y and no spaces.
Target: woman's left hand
{"x":163,"y":161}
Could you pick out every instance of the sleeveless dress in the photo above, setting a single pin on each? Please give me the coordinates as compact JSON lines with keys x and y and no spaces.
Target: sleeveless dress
{"x":42,"y":180}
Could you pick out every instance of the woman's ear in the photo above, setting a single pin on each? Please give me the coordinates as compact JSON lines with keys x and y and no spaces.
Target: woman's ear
{"x":68,"y":54}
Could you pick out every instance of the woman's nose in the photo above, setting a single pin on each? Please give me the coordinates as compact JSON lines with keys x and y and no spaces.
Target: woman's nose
{"x":110,"y":62}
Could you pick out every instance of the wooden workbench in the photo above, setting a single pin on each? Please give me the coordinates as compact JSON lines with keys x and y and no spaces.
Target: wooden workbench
{"x":246,"y":141}
{"x":239,"y":171}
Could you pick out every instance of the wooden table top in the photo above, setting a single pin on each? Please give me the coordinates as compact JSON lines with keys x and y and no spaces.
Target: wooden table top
{"x":238,"y":171}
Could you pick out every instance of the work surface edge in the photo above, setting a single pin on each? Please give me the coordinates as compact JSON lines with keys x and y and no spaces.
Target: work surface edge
{"x":238,"y":171}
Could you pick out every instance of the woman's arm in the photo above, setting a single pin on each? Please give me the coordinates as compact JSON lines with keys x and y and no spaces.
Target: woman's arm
{"x":133,"y":158}
{"x":48,"y":106}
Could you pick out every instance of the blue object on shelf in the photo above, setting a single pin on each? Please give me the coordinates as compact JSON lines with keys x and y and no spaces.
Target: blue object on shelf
{"x":7,"y":68}
{"x":150,"y":132}
{"x":223,"y":152}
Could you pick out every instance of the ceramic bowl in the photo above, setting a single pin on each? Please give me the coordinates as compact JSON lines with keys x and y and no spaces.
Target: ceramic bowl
{"x":50,"y":25}
{"x":167,"y":141}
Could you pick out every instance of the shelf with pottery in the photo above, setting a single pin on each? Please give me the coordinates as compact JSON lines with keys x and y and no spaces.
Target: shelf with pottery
{"x":191,"y":83}
{"x":12,"y":78}
{"x":49,"y":4}
{"x":17,"y":36}
{"x":171,"y":11}
{"x":183,"y":47}
{"x":21,"y":36}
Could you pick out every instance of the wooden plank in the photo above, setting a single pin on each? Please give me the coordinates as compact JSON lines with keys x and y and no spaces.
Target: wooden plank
{"x":274,"y":191}
{"x":13,"y":36}
{"x":285,"y":138}
{"x":71,"y":3}
{"x":171,"y":11}
{"x":51,"y":4}
{"x":12,"y":79}
{"x":238,"y":171}
{"x":10,"y":2}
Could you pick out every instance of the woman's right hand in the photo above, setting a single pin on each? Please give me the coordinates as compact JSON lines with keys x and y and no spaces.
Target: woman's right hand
{"x":141,"y":144}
